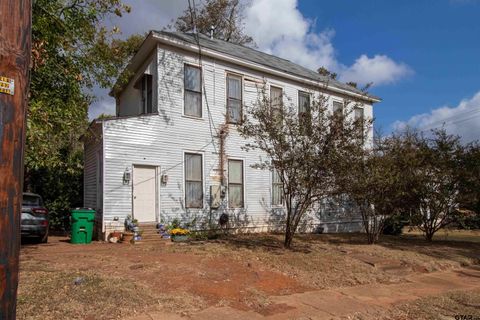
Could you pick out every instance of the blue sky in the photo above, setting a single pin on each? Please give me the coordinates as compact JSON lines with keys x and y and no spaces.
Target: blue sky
{"x":423,"y":56}
{"x":439,"y":40}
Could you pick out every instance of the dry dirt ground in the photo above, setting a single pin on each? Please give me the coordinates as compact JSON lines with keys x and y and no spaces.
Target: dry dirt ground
{"x":247,"y":273}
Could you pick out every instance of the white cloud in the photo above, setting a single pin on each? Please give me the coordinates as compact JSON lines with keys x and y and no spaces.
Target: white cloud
{"x":380,"y":70}
{"x":279,"y":28}
{"x":146,"y":15}
{"x":462,"y":120}
{"x":270,"y":22}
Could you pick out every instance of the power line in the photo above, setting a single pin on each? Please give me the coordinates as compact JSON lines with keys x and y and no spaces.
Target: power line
{"x":454,"y":117}
{"x":183,"y":161}
{"x":457,"y":118}
{"x":211,"y":123}
{"x":448,"y":123}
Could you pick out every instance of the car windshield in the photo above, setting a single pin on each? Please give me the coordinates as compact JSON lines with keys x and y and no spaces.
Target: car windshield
{"x":31,"y":201}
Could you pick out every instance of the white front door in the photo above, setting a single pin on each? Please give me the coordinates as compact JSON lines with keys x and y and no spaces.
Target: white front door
{"x":144,"y":193}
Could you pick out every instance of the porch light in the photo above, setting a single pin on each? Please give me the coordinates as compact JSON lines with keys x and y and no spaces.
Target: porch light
{"x":127,"y":175}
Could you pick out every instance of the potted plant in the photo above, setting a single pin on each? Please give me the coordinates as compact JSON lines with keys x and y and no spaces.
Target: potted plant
{"x":128,"y":237}
{"x":179,"y":234}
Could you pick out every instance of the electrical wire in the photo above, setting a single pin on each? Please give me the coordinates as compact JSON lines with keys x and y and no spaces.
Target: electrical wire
{"x":183,"y":161}
{"x":211,"y":123}
{"x":459,"y":118}
{"x":452,"y":118}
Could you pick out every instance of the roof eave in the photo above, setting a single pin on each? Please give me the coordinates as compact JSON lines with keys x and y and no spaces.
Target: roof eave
{"x":155,"y":37}
{"x":136,"y":61}
{"x":256,"y":66}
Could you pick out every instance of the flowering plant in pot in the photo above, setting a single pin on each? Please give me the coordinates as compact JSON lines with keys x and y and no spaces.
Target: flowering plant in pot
{"x":179,"y":234}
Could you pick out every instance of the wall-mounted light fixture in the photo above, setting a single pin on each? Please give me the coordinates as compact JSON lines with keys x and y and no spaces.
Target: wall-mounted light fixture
{"x":127,"y":176}
{"x":164,"y":179}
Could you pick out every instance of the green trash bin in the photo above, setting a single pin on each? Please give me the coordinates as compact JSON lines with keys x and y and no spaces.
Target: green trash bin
{"x":82,"y":225}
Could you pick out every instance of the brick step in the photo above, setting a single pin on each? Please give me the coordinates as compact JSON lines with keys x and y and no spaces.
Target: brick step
{"x":147,"y":226}
{"x":159,"y":241}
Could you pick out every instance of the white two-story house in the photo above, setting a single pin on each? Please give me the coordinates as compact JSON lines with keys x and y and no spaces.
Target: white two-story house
{"x":161,"y":157}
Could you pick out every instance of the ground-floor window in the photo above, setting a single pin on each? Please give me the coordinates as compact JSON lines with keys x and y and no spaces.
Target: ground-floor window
{"x":193,"y":181}
{"x":277,"y":189}
{"x":235,"y":183}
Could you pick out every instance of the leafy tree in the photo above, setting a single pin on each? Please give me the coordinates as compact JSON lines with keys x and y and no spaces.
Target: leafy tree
{"x":430,"y":178}
{"x":325,"y":72}
{"x":469,"y":190}
{"x":71,"y":51}
{"x":225,"y":16}
{"x":352,"y":84}
{"x":304,"y":149}
{"x":370,"y":178}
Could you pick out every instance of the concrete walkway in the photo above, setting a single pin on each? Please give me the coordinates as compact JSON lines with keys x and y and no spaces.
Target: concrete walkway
{"x":336,"y":303}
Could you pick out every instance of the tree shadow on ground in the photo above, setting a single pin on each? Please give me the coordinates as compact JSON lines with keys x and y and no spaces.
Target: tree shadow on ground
{"x":272,"y":243}
{"x":305,"y":243}
{"x":438,"y":249}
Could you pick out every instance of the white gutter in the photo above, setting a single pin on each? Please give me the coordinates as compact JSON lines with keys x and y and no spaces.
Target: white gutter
{"x":252,"y":65}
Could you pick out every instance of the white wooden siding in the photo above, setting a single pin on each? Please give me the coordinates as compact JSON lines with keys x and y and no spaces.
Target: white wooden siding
{"x":92,"y":182}
{"x":130,"y":99}
{"x":162,"y":139}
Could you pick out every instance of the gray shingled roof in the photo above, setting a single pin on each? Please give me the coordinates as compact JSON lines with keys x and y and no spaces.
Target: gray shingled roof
{"x":259,"y":57}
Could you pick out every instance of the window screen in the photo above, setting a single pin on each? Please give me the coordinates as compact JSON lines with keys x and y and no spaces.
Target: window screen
{"x":358,"y":114}
{"x":234,"y":99}
{"x":337,"y":108}
{"x":147,"y":96}
{"x":193,"y":91}
{"x":359,"y":120}
{"x":304,"y":112}
{"x":193,"y":181}
{"x":276,"y":99}
{"x":235,"y":183}
{"x":277,"y":191}
{"x":303,"y":103}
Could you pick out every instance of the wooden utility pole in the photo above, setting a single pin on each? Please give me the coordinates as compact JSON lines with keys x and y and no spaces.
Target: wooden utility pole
{"x":15,"y":45}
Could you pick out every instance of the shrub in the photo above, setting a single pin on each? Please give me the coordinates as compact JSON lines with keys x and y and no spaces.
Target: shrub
{"x":470,"y":222}
{"x":394,"y":225}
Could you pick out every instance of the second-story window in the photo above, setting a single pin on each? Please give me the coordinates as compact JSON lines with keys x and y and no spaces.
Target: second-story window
{"x":338,"y":109}
{"x":359,"y":119}
{"x":337,"y":120}
{"x":304,"y":112}
{"x":276,"y":100}
{"x":234,"y":99}
{"x":147,"y":97}
{"x":303,"y":104}
{"x":193,"y":91}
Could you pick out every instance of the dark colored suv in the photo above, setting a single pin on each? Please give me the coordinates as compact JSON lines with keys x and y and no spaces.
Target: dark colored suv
{"x":34,"y":217}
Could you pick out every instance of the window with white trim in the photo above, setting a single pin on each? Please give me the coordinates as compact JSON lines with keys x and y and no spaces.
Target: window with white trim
{"x":277,"y":189}
{"x":193,"y":181}
{"x":235,"y":184}
{"x":276,"y":100}
{"x":145,"y":85}
{"x":304,"y":112}
{"x":303,"y":103}
{"x":359,"y":118}
{"x":338,"y":108}
{"x":234,"y":98}
{"x":193,"y":91}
